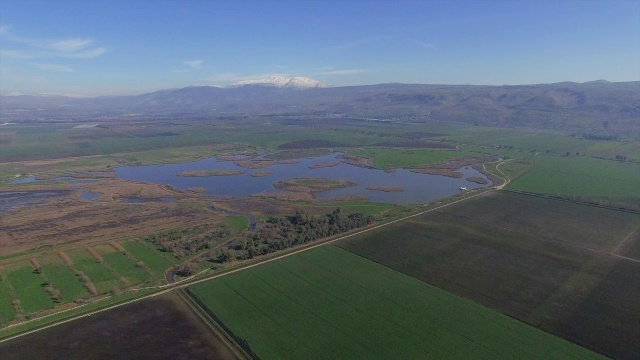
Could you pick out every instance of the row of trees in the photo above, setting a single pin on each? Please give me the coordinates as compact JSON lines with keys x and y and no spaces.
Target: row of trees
{"x":279,"y":233}
{"x":186,"y":242}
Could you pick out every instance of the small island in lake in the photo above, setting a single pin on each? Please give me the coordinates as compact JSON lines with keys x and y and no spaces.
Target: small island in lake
{"x":324,"y":164}
{"x":477,"y":180}
{"x":386,"y":188}
{"x":205,"y":173}
{"x":312,"y":185}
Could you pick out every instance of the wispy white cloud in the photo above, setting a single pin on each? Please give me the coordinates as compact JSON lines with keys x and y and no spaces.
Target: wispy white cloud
{"x":194,"y":64}
{"x":70,"y":45}
{"x":233,"y":77}
{"x":54,"y":67}
{"x":78,"y":48}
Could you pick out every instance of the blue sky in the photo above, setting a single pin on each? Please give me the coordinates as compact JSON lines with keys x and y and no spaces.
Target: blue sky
{"x":109,"y":47}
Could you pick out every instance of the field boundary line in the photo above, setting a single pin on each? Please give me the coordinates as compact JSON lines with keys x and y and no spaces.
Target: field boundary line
{"x":211,"y":323}
{"x":560,"y":198}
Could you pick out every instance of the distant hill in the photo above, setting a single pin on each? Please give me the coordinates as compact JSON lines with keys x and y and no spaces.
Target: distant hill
{"x":599,"y":108}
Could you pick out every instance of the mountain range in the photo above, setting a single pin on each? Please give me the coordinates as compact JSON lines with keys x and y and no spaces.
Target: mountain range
{"x":597,"y":108}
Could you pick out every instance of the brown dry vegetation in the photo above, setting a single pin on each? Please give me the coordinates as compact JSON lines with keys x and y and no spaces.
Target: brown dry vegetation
{"x":261,"y":173}
{"x":256,"y":206}
{"x":325,"y":164}
{"x":477,"y":180}
{"x":95,"y":254}
{"x":311,"y":185}
{"x":65,"y":258}
{"x":288,"y":196}
{"x":356,"y":160}
{"x":75,"y":221}
{"x":118,"y":247}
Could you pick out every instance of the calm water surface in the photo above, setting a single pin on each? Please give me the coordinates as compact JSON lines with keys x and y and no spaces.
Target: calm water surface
{"x":418,"y":188}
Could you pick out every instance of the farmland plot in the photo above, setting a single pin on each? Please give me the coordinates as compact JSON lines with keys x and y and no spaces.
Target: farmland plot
{"x":328,"y":303}
{"x":545,"y":262}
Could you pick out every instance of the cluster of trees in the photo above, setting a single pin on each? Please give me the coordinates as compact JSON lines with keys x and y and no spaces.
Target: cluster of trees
{"x":279,"y":233}
{"x":186,"y":242}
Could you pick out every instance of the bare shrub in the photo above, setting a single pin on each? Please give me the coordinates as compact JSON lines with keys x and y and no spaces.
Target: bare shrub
{"x":36,"y":266}
{"x":118,"y":247}
{"x":65,"y":258}
{"x":95,"y":254}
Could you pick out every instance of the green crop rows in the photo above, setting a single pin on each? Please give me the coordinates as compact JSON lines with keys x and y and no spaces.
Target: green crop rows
{"x":329,"y":303}
{"x":156,"y":263}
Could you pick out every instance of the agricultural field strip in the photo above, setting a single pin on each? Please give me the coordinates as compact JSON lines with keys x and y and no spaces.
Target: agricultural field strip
{"x":611,"y":253}
{"x":382,"y":320}
{"x":385,"y":320}
{"x":189,"y":282}
{"x":266,"y":315}
{"x":557,"y":171}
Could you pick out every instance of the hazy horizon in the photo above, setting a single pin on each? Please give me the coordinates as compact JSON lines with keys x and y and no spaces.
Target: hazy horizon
{"x":117,"y":48}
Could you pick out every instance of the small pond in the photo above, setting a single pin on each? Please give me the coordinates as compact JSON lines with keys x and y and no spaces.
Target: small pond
{"x":89,"y":196}
{"x":418,"y":188}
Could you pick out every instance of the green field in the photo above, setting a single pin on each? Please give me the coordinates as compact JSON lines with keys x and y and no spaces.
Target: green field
{"x":126,"y":267}
{"x":580,"y":176}
{"x":238,"y":223}
{"x":539,"y":260}
{"x":384,"y":158}
{"x":63,"y":279}
{"x":153,"y":260}
{"x":7,"y":312}
{"x":28,"y":289}
{"x":100,"y":276}
{"x":328,"y":303}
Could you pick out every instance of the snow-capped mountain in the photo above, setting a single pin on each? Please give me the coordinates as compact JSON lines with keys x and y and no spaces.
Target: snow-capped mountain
{"x":283,"y":81}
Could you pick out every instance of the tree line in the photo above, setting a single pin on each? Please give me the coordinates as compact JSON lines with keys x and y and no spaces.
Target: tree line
{"x":186,"y":242}
{"x":280,"y":233}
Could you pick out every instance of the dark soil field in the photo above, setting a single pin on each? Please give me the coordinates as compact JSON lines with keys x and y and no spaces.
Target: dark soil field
{"x":156,"y":328}
{"x":543,"y":261}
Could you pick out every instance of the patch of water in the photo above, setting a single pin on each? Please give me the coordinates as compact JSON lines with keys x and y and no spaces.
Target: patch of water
{"x":26,"y":180}
{"x":418,"y":188}
{"x":89,"y":196}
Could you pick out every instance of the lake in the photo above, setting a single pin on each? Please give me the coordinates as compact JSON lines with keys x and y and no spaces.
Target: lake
{"x":418,"y":188}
